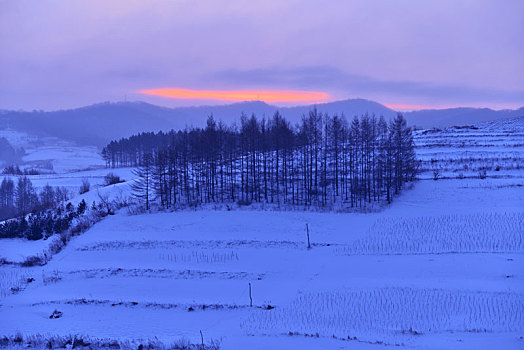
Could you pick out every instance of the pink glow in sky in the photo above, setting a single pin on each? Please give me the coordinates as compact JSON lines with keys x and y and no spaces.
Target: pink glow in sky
{"x":62,"y":54}
{"x":269,"y":96}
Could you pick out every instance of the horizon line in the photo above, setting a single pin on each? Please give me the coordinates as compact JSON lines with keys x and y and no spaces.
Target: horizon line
{"x":397,"y":107}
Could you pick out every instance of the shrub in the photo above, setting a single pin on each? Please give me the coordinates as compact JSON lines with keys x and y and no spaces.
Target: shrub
{"x":57,"y":245}
{"x":45,"y":341}
{"x":111,"y":179}
{"x":18,"y":338}
{"x":436,"y":174}
{"x":33,"y":261}
{"x":84,"y":187}
{"x":482,"y":174}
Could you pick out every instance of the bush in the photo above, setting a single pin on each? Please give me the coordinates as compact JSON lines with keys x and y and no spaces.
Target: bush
{"x":33,"y":261}
{"x":482,"y":174}
{"x":436,"y":174}
{"x":84,"y":187}
{"x":45,"y":341}
{"x":111,"y":179}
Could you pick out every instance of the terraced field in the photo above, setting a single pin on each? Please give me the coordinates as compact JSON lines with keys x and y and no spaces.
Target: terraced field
{"x":441,"y":267}
{"x":467,"y":151}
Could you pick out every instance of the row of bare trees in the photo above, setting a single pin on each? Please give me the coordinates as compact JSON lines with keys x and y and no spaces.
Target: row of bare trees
{"x":322,"y":161}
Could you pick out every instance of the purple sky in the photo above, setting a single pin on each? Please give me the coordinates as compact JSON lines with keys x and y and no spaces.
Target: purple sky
{"x":62,"y":54}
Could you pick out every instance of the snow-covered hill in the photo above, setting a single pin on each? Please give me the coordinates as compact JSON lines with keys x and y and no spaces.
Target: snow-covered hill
{"x":100,"y":123}
{"x":447,"y":117}
{"x":441,"y":267}
{"x":129,"y":274}
{"x":491,"y":149}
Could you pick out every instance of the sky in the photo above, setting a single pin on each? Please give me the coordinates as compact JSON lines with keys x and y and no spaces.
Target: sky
{"x":404,"y":54}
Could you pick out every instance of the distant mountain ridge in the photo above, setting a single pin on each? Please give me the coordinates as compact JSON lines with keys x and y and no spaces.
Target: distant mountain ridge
{"x":458,"y":116}
{"x":99,"y":123}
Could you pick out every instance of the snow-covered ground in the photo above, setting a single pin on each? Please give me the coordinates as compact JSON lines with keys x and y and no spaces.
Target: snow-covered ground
{"x":138,"y":276}
{"x":496,"y":147}
{"x":62,"y":163}
{"x":50,"y":154}
{"x":442,"y":267}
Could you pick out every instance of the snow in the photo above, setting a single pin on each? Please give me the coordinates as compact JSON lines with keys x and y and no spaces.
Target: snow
{"x":474,"y":233}
{"x":441,"y":267}
{"x":50,"y":154}
{"x":17,"y":250}
{"x":129,"y":274}
{"x":382,"y":310}
{"x":462,"y":152}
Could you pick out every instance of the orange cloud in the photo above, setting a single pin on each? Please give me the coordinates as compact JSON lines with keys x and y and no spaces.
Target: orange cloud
{"x":242,"y":95}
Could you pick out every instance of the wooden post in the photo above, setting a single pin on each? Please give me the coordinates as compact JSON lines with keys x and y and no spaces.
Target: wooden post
{"x":308,"y":243}
{"x":250,"y":298}
{"x":202,"y":338}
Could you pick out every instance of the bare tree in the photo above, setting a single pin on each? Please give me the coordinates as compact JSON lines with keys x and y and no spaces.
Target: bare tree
{"x":321,"y":161}
{"x":143,"y":186}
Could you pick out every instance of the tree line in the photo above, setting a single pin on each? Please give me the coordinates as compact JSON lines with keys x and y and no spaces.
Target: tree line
{"x":322,"y":161}
{"x":29,"y":214}
{"x":26,"y":213}
{"x":22,"y":198}
{"x":43,"y":223}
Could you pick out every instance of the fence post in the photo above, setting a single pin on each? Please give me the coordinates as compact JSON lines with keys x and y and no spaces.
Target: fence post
{"x":250,"y":298}
{"x":308,"y":243}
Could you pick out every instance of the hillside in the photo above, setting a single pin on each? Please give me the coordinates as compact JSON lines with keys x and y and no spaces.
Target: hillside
{"x":98,"y":124}
{"x":440,"y":267}
{"x":492,"y":149}
{"x":441,"y":118}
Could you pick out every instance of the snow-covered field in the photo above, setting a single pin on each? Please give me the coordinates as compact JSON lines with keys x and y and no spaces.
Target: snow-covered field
{"x":62,"y":163}
{"x":50,"y":154}
{"x":457,"y":152}
{"x":442,"y":267}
